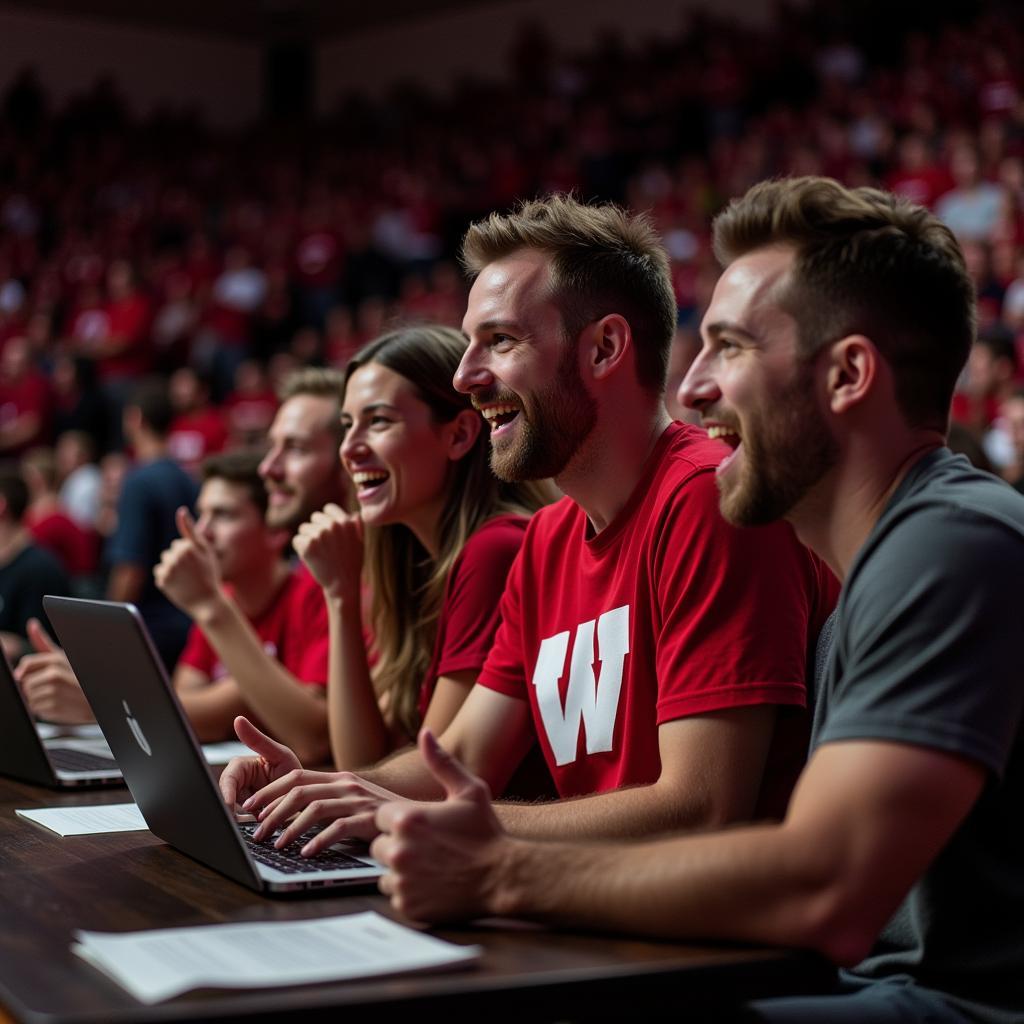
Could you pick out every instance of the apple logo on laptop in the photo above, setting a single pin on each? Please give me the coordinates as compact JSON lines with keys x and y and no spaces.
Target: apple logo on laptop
{"x":136,"y":729}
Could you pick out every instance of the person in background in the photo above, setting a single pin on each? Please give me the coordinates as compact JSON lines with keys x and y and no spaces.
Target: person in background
{"x":27,"y":571}
{"x":51,"y":527}
{"x":256,"y":646}
{"x":151,"y":494}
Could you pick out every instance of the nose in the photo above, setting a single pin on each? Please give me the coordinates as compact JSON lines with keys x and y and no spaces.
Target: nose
{"x":698,"y":388}
{"x":269,"y":467}
{"x":350,"y":445}
{"x":472,"y":373}
{"x":203,"y":524}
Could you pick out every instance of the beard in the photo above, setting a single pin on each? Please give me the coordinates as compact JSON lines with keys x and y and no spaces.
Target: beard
{"x":553,"y":425}
{"x":784,"y":455}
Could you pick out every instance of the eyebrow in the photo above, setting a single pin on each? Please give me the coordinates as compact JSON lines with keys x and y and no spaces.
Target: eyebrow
{"x":723,"y":326}
{"x":372,"y":407}
{"x":489,"y":325}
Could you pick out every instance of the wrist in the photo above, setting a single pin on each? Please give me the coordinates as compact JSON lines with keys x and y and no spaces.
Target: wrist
{"x":208,"y":610}
{"x":342,"y":600}
{"x":505,"y":887}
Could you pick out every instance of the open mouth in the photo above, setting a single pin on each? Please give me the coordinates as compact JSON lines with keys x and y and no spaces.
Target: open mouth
{"x":499,"y":417}
{"x":729,"y":436}
{"x":369,"y":482}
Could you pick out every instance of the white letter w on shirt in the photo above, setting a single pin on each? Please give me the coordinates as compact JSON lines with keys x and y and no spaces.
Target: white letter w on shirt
{"x":595,"y":701}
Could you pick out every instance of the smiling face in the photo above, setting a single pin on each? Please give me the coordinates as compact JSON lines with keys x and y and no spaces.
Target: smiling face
{"x":398,"y":456}
{"x":301,"y":469}
{"x":233,"y":525}
{"x":756,"y":393}
{"x":522,"y":372}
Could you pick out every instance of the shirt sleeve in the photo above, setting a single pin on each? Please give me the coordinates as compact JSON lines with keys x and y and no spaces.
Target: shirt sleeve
{"x":927,"y":643}
{"x":198,"y":653}
{"x":504,"y":670}
{"x":473,"y":598}
{"x":306,"y":652}
{"x":131,"y":542}
{"x":735,"y":607}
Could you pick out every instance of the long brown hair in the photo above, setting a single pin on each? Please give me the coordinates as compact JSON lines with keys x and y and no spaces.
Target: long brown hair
{"x":406,"y":585}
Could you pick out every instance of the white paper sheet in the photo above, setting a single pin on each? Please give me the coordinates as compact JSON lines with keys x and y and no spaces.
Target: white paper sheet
{"x":160,"y":964}
{"x":87,"y":821}
{"x":47,"y":731}
{"x":221,"y":753}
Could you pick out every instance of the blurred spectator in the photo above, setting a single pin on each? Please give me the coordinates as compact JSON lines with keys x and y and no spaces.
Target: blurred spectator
{"x":27,"y":572}
{"x":150,"y":496}
{"x":1012,"y":418}
{"x":81,"y":481}
{"x":25,"y":399}
{"x":197,"y":429}
{"x":971,"y":209}
{"x":51,"y":527}
{"x":77,"y":402}
{"x":250,"y":407}
{"x":990,"y":372}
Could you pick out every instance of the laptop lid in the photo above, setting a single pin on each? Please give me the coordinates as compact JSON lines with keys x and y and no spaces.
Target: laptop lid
{"x":140,"y":715}
{"x":60,"y":763}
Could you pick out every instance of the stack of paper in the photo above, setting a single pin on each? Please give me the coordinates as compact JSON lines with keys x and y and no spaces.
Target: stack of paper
{"x":160,"y":964}
{"x":87,"y":821}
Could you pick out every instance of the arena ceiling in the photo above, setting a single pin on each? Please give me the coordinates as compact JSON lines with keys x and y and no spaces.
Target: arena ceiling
{"x":251,"y":19}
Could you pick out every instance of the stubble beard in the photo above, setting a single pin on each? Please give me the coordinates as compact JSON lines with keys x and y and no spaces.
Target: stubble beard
{"x":781,"y":461}
{"x":554,"y":425}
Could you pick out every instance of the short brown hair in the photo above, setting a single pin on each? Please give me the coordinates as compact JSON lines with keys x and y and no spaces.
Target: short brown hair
{"x":869,"y":263}
{"x":603,"y":260}
{"x":321,"y":382}
{"x":241,"y":468}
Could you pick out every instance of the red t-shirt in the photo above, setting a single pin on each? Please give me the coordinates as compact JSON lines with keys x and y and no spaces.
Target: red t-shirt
{"x":668,"y":612}
{"x":293,"y":630}
{"x":469,"y":616}
{"x":128,"y":318}
{"x":58,"y":533}
{"x":194,"y":435}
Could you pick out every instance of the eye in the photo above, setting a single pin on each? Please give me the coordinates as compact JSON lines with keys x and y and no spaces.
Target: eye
{"x":380,"y":421}
{"x":502,"y":341}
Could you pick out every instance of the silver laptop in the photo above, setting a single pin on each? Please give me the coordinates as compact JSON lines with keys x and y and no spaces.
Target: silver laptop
{"x":124,"y":679}
{"x":60,"y":762}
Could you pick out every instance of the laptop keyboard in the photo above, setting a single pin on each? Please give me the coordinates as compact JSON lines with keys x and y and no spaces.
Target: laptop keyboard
{"x":290,"y":861}
{"x":69,"y":760}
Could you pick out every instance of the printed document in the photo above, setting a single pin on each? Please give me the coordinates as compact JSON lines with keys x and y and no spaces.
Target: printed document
{"x":87,"y":821}
{"x":160,"y":964}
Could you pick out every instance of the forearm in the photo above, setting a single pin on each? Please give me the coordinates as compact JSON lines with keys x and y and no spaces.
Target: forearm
{"x":359,"y":734}
{"x":125,"y":582}
{"x":758,"y":884}
{"x":212,"y":709}
{"x":295,"y":714}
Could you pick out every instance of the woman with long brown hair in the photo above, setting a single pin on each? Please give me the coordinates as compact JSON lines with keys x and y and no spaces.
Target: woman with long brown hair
{"x":430,"y":546}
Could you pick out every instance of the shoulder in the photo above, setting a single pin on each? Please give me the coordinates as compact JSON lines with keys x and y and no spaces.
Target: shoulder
{"x":494,"y":545}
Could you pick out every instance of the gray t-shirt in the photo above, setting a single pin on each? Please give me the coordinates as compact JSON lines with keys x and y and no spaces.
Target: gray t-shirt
{"x":926,"y":650}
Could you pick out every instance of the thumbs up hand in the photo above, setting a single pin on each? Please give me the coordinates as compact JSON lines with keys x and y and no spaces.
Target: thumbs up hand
{"x":441,"y":856}
{"x":188,"y":573}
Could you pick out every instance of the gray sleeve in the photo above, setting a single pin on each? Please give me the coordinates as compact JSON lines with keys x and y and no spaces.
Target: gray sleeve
{"x":928,"y":639}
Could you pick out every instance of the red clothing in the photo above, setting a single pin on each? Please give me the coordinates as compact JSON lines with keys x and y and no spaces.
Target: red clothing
{"x":128,"y":319}
{"x":469,"y":616}
{"x":293,"y":630}
{"x":31,"y":394}
{"x":673,"y":611}
{"x":75,"y":547}
{"x":194,"y":435}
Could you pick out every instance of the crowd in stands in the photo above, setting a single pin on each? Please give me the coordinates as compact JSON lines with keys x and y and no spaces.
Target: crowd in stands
{"x":133,"y":247}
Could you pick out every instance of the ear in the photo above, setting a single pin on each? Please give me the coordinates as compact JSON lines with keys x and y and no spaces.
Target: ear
{"x":610,"y":343}
{"x":463,"y":432}
{"x":852,"y":370}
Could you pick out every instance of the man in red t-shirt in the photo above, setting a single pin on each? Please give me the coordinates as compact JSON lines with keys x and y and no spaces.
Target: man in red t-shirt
{"x":658,"y":654}
{"x":258,"y":644}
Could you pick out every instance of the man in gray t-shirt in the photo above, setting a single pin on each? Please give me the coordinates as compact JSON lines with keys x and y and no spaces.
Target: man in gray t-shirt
{"x":831,"y":349}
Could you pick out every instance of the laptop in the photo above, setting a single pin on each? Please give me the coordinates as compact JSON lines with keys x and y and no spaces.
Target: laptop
{"x":126,"y":684}
{"x":63,"y":762}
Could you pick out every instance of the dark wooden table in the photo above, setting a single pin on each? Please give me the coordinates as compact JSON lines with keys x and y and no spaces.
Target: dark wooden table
{"x":50,"y":887}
